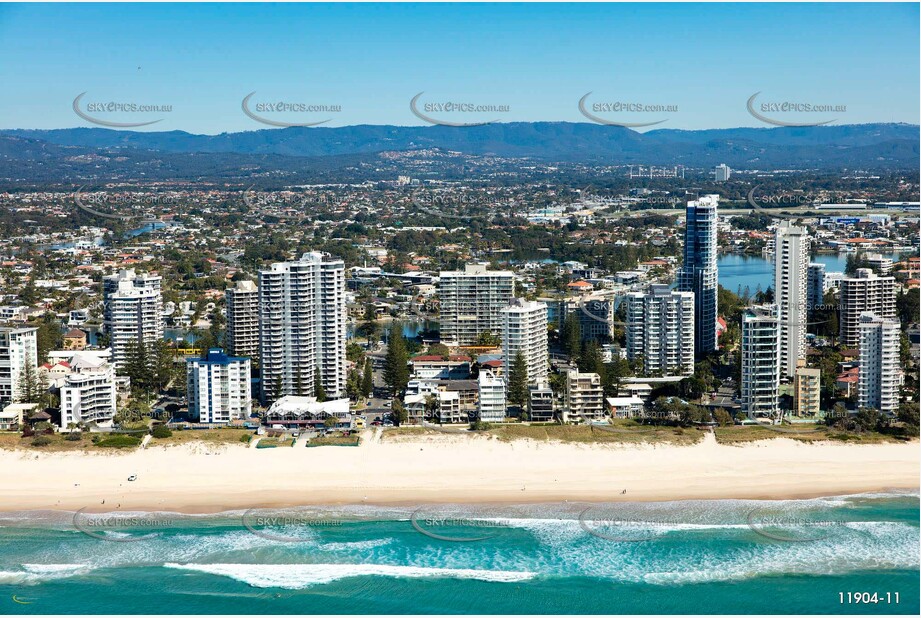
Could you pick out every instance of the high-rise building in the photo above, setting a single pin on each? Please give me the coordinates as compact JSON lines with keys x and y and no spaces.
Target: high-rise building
{"x":243,"y":319}
{"x":472,"y":301}
{"x":879,"y":263}
{"x":791,"y":260}
{"x":524,"y":330}
{"x":219,"y":387}
{"x":660,"y":329}
{"x":88,"y":393}
{"x":815,"y":285}
{"x":807,"y":382}
{"x":18,"y":350}
{"x":760,"y":361}
{"x":491,"y":406}
{"x":302,"y":327}
{"x":880,"y":374}
{"x":584,"y":397}
{"x":864,"y":292}
{"x":595,"y":314}
{"x":698,"y":274}
{"x":721,"y":172}
{"x":133,"y":308}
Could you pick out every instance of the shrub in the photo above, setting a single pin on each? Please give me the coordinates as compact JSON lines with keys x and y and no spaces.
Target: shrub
{"x":41,"y":441}
{"x":247,"y":438}
{"x":118,"y":441}
{"x":161,"y":431}
{"x":74,"y":436}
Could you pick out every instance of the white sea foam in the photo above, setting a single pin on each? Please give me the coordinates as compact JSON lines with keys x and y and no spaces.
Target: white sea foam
{"x":296,"y":576}
{"x":37,"y":573}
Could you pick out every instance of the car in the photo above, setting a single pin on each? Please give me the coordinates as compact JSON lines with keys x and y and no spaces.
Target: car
{"x":133,"y":477}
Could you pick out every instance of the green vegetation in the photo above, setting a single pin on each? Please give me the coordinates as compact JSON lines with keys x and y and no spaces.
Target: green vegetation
{"x":116,"y":441}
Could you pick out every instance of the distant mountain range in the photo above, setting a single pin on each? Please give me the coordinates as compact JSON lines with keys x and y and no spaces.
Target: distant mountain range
{"x":867,"y":146}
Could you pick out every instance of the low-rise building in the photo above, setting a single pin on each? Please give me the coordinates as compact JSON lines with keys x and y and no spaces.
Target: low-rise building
{"x":806,"y":389}
{"x":540,"y":403}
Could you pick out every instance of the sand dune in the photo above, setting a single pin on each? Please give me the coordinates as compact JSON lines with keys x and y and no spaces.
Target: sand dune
{"x":203,"y":478}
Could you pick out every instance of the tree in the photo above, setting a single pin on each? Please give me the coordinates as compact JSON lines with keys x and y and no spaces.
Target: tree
{"x":487,"y":338}
{"x":30,"y":385}
{"x":518,"y":381}
{"x":330,"y":422}
{"x":907,"y":307}
{"x":318,"y":391}
{"x":868,"y":419}
{"x":571,"y":336}
{"x":721,"y":416}
{"x":367,"y":381}
{"x":399,"y":414}
{"x":909,"y":417}
{"x":396,"y":369}
{"x":440,"y":349}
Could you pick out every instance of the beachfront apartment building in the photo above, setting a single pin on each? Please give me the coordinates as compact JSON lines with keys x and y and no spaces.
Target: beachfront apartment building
{"x":698,"y":272}
{"x":18,"y":350}
{"x":807,"y":389}
{"x":864,"y":292}
{"x":132,"y":311}
{"x":242,"y":319}
{"x":540,"y":403}
{"x":595,"y":314}
{"x":660,"y":330}
{"x":815,"y":285}
{"x":760,"y":361}
{"x":472,"y":301}
{"x":491,"y":406}
{"x":791,"y":263}
{"x":219,"y":387}
{"x":524,"y":330}
{"x":584,"y":399}
{"x":880,"y":374}
{"x":87,"y":391}
{"x":302,"y":329}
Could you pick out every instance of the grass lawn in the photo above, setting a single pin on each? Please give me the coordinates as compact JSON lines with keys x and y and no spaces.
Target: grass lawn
{"x":337,"y":440}
{"x":223,"y":435}
{"x":741,"y":434}
{"x":619,"y":432}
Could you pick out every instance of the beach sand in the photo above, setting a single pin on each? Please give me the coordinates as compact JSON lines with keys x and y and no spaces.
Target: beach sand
{"x":201,"y":478}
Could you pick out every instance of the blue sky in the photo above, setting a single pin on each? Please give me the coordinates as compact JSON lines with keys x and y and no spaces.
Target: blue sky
{"x":537,"y":59}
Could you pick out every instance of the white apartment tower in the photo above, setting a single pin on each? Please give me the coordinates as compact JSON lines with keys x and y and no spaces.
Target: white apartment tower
{"x":524,"y":329}
{"x":880,"y":373}
{"x":864,"y":292}
{"x":243,"y":319}
{"x":660,"y":329}
{"x":18,"y":349}
{"x":88,"y":393}
{"x":472,"y":301}
{"x":760,"y":361}
{"x":133,"y":308}
{"x":219,"y":387}
{"x":491,"y":405}
{"x":302,"y":327}
{"x":791,"y":263}
{"x":698,"y":273}
{"x":815,"y":285}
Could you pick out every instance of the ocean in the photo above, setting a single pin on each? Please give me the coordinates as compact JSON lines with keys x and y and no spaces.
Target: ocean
{"x":815,"y":556}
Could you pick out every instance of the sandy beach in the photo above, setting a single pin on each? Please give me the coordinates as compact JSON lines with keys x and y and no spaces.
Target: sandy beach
{"x":200,"y":478}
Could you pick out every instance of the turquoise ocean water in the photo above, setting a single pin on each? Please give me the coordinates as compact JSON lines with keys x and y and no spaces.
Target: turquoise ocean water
{"x":725,"y":556}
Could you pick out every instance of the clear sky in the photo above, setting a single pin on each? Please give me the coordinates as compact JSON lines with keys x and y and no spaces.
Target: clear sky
{"x":537,"y":59}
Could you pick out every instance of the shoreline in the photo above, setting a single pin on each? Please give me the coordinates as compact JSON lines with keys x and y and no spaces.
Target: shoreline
{"x":448,"y":470}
